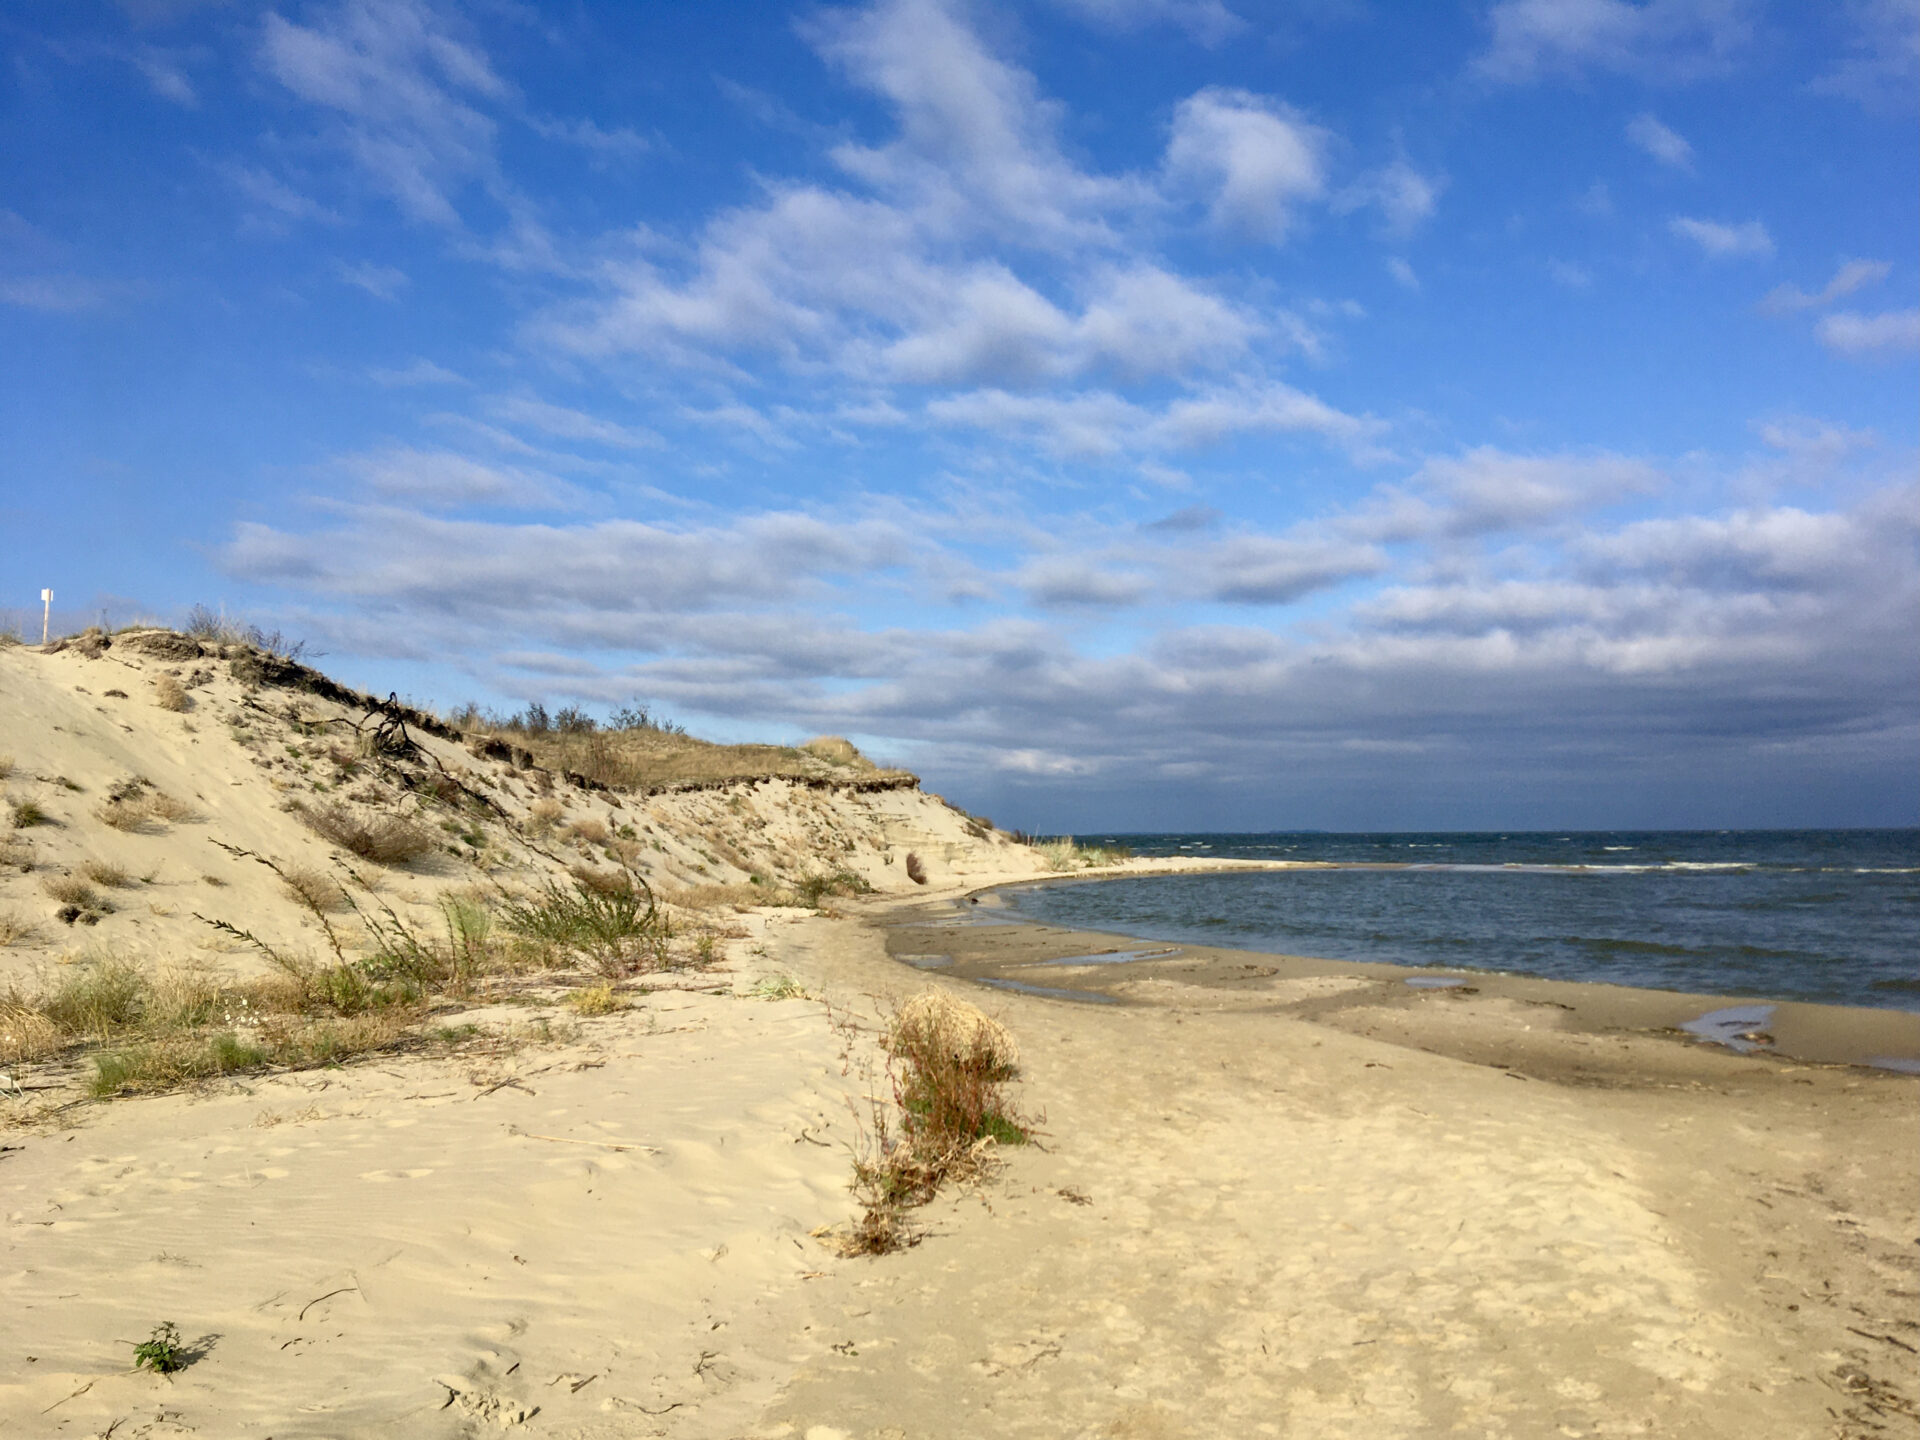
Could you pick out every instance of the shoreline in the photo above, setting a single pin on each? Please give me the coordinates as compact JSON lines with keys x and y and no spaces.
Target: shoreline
{"x":1876,"y":1037}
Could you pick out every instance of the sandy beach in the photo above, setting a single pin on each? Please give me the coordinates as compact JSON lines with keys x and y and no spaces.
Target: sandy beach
{"x":1266,"y":1195}
{"x":1235,"y":1222}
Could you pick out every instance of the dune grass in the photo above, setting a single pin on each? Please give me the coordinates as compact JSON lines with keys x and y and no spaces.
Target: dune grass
{"x":148,"y":1030}
{"x":1065,"y":853}
{"x":634,"y":751}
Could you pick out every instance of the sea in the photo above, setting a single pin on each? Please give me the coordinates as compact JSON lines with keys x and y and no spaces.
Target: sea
{"x":1831,"y":916}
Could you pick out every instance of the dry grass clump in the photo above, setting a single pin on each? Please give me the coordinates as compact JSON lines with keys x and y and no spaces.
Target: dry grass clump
{"x":75,"y":890}
{"x":834,"y":750}
{"x":601,"y":999}
{"x":6,"y":767}
{"x":543,"y":815}
{"x":14,"y":927}
{"x":383,"y":839}
{"x":135,"y":806}
{"x":949,"y":1062}
{"x":810,"y":890}
{"x":25,"y":1032}
{"x":633,"y":750}
{"x":591,"y":829}
{"x":170,"y":694}
{"x":314,"y":888}
{"x":715,"y":897}
{"x":25,"y":813}
{"x":106,"y":872}
{"x":601,"y":882}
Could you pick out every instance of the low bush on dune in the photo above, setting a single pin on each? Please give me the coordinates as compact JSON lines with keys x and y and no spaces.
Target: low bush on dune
{"x":949,"y":1064}
{"x":810,"y":890}
{"x":137,"y":806}
{"x":383,"y":839}
{"x":169,"y":694}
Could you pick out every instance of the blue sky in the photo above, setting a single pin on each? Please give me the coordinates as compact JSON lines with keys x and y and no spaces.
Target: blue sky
{"x":1130,"y":413}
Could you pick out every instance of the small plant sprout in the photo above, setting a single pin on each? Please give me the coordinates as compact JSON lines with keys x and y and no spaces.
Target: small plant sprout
{"x":161,"y":1351}
{"x":778,"y":987}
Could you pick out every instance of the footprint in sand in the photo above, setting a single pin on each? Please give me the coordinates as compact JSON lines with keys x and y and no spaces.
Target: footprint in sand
{"x":394,"y":1174}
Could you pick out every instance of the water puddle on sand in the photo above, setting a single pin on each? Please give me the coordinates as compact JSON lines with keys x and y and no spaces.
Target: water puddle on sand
{"x":1436,"y":982}
{"x":1741,"y":1028}
{"x":1085,"y":996}
{"x":1113,"y":957}
{"x":927,"y":962}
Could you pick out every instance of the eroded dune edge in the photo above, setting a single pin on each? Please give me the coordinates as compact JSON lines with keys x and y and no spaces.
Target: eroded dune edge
{"x":579,"y":1194}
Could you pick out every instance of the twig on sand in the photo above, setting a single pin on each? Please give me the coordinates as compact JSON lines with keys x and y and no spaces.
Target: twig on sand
{"x":1891,"y":1340}
{"x":567,"y":1140}
{"x":64,"y":1398}
{"x":328,"y":1296}
{"x":511,"y":1080}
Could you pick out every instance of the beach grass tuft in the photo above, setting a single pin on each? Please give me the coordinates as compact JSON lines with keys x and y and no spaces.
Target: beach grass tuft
{"x":383,"y":839}
{"x":949,"y":1064}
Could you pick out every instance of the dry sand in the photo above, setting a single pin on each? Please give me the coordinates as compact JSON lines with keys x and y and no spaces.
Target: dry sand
{"x":1270,"y":1197}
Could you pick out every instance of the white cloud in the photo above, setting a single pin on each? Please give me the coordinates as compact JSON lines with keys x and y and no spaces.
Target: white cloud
{"x":1565,"y":272}
{"x":274,"y":203}
{"x":444,"y":479}
{"x":968,"y":253}
{"x":569,"y":424}
{"x":1534,"y":39}
{"x":1265,"y":570}
{"x":1402,"y":272}
{"x":1070,"y":583}
{"x":1851,"y":276}
{"x":1663,"y":144}
{"x":1103,"y":425}
{"x":1882,"y":70}
{"x":1488,"y":490}
{"x":1404,"y":197}
{"x":419,"y":371}
{"x":165,"y":71}
{"x":621,"y":143}
{"x":1855,"y":334}
{"x":383,"y":282}
{"x":977,"y":146}
{"x":1252,"y":160}
{"x":56,"y":294}
{"x":1719,"y":241}
{"x":399,"y":86}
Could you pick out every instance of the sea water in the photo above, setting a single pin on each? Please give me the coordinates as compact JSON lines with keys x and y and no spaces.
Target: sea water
{"x":1823,"y":915}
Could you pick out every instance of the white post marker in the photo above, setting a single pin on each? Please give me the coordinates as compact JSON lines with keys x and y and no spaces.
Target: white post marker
{"x":46,"y":614}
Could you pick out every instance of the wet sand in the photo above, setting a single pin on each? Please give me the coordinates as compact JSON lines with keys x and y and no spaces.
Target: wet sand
{"x":1485,"y":1017}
